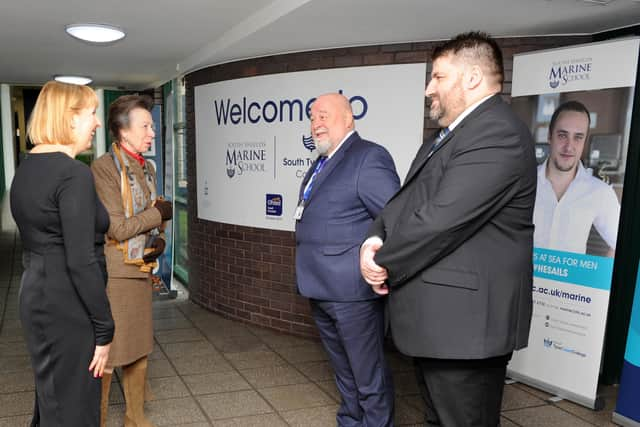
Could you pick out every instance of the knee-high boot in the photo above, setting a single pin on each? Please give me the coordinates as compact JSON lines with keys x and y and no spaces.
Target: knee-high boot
{"x":133,"y":379}
{"x":104,"y":400}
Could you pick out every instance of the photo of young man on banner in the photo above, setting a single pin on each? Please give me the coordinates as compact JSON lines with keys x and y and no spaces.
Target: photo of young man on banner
{"x":579,"y":184}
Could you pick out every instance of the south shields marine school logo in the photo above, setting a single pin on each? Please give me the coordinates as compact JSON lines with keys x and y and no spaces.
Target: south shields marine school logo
{"x":245,"y":157}
{"x":570,"y":70}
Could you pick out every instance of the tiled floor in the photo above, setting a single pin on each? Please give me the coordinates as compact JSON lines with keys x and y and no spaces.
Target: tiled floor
{"x":209,"y":371}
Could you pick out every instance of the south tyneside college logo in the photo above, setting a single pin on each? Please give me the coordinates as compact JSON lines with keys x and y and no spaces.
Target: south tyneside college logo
{"x":570,"y":70}
{"x":308,"y":142}
{"x":557,"y":345}
{"x":301,"y":164}
{"x":245,"y":157}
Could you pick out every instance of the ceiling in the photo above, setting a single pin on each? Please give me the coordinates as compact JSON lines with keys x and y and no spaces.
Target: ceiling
{"x":167,"y":38}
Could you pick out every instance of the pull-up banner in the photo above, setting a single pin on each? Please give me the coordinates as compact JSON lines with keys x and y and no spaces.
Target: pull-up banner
{"x":577,"y":102}
{"x":164,"y":174}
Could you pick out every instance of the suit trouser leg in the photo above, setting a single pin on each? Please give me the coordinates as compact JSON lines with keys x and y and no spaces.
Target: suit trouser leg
{"x":353,"y":336}
{"x":462,"y":393}
{"x":35,"y":420}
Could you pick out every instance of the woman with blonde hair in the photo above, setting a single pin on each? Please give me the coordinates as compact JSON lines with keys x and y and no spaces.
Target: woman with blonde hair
{"x":126,"y":184}
{"x":64,"y":308}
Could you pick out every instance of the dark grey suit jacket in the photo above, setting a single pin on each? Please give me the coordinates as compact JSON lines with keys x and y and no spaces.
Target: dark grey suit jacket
{"x":458,"y":241}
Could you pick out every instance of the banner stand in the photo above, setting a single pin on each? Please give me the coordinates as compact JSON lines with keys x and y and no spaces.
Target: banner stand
{"x":161,"y":276}
{"x":596,"y":404}
{"x":585,"y":90}
{"x":624,"y":421}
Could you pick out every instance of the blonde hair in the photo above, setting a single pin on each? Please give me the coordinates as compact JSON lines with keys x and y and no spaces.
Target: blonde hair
{"x":51,"y":118}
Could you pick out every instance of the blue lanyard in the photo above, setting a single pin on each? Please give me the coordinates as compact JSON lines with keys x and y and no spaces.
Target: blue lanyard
{"x":321,"y":161}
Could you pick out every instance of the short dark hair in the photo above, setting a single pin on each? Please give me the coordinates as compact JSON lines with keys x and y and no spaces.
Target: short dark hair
{"x":119,"y":110}
{"x":477,"y":47}
{"x":576,"y":106}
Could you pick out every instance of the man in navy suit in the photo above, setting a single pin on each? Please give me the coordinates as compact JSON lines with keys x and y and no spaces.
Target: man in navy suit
{"x":454,"y":247}
{"x":340,"y":196}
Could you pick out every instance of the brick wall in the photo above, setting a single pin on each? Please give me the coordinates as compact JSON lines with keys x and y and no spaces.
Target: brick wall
{"x":247,"y":273}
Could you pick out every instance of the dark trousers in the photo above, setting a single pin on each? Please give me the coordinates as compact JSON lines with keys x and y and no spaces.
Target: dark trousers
{"x":462,"y":393}
{"x":353,"y":336}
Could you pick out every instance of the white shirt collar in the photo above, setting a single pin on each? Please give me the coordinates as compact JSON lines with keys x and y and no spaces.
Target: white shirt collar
{"x":581,"y":172}
{"x":468,"y":111}
{"x":340,"y":145}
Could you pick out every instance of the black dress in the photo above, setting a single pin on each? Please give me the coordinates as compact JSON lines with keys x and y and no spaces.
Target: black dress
{"x":64,"y":308}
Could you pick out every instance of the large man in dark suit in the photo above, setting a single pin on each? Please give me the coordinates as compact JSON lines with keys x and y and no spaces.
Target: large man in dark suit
{"x":454,"y":245}
{"x":340,"y":196}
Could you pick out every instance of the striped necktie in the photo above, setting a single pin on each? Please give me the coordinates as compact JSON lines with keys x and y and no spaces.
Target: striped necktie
{"x":441,"y":135}
{"x":319,"y":164}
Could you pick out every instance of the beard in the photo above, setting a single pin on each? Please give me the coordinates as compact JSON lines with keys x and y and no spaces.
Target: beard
{"x":449,"y":105}
{"x":566,"y":166}
{"x":435,"y":113}
{"x":323,"y":146}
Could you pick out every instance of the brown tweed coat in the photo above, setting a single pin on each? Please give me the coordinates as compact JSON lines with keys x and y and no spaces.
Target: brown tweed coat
{"x":128,"y":288}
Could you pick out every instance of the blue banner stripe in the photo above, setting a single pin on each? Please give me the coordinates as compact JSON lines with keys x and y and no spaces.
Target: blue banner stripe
{"x":630,"y":379}
{"x":569,"y":267}
{"x":632,"y":354}
{"x":627,"y":404}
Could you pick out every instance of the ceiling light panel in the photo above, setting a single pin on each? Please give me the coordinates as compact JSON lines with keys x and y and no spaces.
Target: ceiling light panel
{"x":95,"y":33}
{"x":75,"y":80}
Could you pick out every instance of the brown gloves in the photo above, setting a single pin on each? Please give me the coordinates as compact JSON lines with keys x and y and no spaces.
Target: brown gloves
{"x":166,"y":212}
{"x":165,"y":208}
{"x":158,"y":246}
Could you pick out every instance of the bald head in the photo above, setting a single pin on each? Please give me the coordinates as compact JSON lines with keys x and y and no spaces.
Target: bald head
{"x":339,"y":100}
{"x":331,"y":121}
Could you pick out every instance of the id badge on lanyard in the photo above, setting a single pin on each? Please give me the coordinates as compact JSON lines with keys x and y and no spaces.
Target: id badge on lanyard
{"x":307,"y":191}
{"x":297,"y":215}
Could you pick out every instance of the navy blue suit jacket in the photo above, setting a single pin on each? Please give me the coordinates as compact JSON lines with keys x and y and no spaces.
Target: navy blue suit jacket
{"x":347,"y":195}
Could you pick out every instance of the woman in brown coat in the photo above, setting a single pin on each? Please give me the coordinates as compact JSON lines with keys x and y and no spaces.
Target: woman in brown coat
{"x":126,"y":184}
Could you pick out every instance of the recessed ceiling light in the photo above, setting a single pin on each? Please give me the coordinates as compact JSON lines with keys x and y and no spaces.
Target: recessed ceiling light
{"x":95,"y":33}
{"x":74,"y":80}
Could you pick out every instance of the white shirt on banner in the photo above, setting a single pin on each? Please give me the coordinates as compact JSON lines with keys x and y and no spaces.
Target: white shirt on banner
{"x":564,"y":224}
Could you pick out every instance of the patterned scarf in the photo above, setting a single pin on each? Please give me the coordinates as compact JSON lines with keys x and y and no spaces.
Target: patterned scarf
{"x":133,"y":202}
